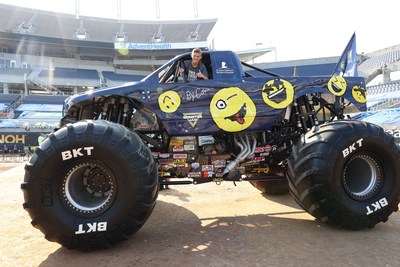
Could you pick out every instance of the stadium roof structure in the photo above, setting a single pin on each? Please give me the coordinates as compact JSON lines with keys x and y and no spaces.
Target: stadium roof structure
{"x":36,"y":32}
{"x":66,"y":26}
{"x":128,"y":44}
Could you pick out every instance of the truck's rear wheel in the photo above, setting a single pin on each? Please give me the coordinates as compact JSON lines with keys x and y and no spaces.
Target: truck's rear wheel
{"x":90,"y":184}
{"x":346,"y":173}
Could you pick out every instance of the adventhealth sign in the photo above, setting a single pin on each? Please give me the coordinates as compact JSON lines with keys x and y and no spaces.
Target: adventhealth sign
{"x":158,"y":46}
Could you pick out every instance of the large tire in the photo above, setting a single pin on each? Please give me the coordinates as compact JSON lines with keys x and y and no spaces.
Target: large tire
{"x":90,"y":184}
{"x":346,"y":173}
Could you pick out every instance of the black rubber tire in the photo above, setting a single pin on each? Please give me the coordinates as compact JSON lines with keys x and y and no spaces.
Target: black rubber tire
{"x":90,"y":184}
{"x":273,"y":187}
{"x":346,"y":173}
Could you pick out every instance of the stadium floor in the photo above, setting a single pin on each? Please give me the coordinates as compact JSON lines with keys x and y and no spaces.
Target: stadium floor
{"x":204,"y":225}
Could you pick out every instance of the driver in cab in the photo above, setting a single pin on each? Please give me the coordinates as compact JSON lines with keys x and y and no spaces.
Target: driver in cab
{"x":194,"y":69}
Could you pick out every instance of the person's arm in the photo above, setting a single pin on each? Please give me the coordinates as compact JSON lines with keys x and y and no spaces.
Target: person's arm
{"x":203,"y":74}
{"x":183,"y":68}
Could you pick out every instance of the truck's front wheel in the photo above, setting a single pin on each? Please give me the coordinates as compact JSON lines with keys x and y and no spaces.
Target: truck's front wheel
{"x":90,"y":184}
{"x":346,"y":173}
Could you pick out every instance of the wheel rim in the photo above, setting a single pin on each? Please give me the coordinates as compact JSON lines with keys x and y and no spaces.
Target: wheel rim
{"x":362,"y":177}
{"x":88,"y":188}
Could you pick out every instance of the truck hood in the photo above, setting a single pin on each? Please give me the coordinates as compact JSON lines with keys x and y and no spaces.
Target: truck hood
{"x":122,"y":90}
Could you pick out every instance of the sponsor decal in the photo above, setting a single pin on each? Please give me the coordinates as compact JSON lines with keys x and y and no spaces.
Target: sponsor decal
{"x":208,"y":174}
{"x":220,"y":163}
{"x":12,"y":138}
{"x":377,"y":205}
{"x":207,"y":168}
{"x":224,"y":69}
{"x":206,"y":140}
{"x":193,"y":118}
{"x":176,"y":142}
{"x":219,"y":173}
{"x":259,"y":149}
{"x":257,"y":159}
{"x":352,"y":147}
{"x":177,"y":149}
{"x":196,"y":94}
{"x":163,"y":156}
{"x":188,"y":147}
{"x":159,"y":46}
{"x":91,"y":228}
{"x":166,"y":161}
{"x":194,"y":174}
{"x":179,"y":161}
{"x":179,"y":156}
{"x":195,"y":165}
{"x":76,"y":152}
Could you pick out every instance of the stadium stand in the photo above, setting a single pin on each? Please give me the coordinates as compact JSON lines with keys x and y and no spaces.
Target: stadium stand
{"x":70,"y":77}
{"x":112,"y":79}
{"x":379,"y":61}
{"x":383,"y":95}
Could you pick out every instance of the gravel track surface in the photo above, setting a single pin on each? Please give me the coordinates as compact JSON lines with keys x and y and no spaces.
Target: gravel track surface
{"x":204,"y":225}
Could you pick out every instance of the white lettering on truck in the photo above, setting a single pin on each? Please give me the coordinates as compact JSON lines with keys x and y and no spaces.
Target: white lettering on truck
{"x":377,"y":205}
{"x":76,"y":152}
{"x":352,"y":147}
{"x":91,"y":228}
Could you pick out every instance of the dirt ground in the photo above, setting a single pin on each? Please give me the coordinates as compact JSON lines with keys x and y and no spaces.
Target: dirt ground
{"x":204,"y":225}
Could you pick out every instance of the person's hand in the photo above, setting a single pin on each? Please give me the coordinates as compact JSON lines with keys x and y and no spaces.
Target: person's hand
{"x":181,"y":70}
{"x":201,"y":75}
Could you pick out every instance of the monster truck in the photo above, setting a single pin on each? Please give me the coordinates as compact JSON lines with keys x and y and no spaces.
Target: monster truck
{"x":95,"y":180}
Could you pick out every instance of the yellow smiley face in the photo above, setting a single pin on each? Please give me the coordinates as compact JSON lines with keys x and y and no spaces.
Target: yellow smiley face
{"x":359,"y":94}
{"x":337,"y":85}
{"x":169,"y":101}
{"x":232,"y":109}
{"x":278,"y":93}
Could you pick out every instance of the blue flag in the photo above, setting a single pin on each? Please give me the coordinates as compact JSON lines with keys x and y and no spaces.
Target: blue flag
{"x":347,"y":65}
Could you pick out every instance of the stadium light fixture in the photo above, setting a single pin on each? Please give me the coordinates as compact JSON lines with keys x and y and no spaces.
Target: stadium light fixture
{"x":158,"y":37}
{"x":81,"y":34}
{"x":27,"y":26}
{"x":194,"y":35}
{"x":120,"y":37}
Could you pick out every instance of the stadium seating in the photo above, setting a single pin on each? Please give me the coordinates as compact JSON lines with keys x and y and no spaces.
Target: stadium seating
{"x":70,"y":77}
{"x":386,"y":94}
{"x":41,"y":103}
{"x":378,"y":62}
{"x":113,"y":79}
{"x":13,"y":75}
{"x":7,"y":100}
{"x":7,"y":103}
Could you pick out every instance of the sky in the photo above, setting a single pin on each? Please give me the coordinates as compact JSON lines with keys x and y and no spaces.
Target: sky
{"x":297,"y":29}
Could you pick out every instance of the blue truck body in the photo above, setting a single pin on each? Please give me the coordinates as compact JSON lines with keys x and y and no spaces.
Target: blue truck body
{"x":193,"y":115}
